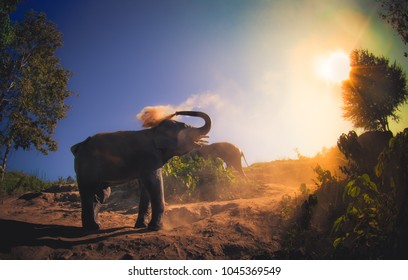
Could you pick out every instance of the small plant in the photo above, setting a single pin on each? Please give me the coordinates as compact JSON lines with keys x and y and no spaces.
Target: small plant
{"x":304,"y":190}
{"x":324,"y":177}
{"x":361,"y":228}
{"x":287,"y":207}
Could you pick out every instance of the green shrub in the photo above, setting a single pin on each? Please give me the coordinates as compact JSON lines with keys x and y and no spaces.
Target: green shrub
{"x":361,"y":216}
{"x":365,"y":227}
{"x":16,"y":182}
{"x":188,"y":179}
{"x":374,"y":223}
{"x":309,"y":218}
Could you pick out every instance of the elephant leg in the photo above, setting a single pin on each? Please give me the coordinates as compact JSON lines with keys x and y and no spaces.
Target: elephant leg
{"x":143,"y":207}
{"x":238,"y":166}
{"x":100,"y":197}
{"x":87,"y":214}
{"x":153,"y":182}
{"x":240,"y":170}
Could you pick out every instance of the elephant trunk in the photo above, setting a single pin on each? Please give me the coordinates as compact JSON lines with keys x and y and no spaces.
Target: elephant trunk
{"x":200,"y":130}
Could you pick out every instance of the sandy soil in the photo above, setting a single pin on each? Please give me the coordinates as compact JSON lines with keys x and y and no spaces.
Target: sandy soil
{"x":46,"y":225}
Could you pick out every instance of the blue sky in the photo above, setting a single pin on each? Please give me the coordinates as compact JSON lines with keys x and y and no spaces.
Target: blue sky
{"x":250,"y":64}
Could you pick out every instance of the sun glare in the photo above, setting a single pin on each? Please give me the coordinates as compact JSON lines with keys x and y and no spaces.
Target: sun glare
{"x":334,"y":67}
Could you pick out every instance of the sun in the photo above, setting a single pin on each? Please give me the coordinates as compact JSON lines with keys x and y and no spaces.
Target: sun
{"x":334,"y":67}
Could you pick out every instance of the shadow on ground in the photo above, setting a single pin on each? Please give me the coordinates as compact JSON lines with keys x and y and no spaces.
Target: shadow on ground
{"x":16,"y":233}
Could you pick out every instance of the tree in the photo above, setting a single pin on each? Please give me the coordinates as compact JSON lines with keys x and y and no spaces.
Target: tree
{"x":395,"y":13}
{"x":33,"y":87}
{"x":374,"y":91}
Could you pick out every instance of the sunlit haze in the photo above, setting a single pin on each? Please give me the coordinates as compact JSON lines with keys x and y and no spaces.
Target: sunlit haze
{"x":267,"y":72}
{"x":334,"y":67}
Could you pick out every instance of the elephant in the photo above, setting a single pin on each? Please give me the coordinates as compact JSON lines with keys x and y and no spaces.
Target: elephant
{"x":109,"y":159}
{"x":365,"y":148}
{"x":226,"y":151}
{"x":374,"y":142}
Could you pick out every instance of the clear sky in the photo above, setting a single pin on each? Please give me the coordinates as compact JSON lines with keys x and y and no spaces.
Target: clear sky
{"x":254,"y":66}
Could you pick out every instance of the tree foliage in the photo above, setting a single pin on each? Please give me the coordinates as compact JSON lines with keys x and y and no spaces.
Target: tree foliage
{"x":374,"y":91}
{"x":6,"y":29}
{"x":33,"y":86}
{"x":395,"y":13}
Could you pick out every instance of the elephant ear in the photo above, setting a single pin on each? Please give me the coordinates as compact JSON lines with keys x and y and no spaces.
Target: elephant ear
{"x":165,"y":138}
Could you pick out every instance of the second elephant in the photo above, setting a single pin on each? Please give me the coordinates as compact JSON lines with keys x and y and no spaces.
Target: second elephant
{"x":226,"y":151}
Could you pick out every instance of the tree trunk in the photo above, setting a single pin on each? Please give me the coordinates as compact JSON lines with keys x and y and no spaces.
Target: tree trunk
{"x":3,"y":165}
{"x":5,"y":100}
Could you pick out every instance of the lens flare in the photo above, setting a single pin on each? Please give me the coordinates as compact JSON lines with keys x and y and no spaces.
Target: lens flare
{"x":334,"y":67}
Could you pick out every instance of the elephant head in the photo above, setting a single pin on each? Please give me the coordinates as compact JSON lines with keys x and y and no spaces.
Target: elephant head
{"x":176,"y":138}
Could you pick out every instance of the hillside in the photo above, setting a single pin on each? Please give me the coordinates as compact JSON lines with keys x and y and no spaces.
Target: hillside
{"x":46,"y":225}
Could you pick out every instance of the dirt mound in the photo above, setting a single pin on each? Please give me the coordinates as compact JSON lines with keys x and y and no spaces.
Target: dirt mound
{"x":56,"y":193}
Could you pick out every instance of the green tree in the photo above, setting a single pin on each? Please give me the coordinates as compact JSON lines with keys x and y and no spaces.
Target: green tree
{"x":6,"y":30}
{"x":33,"y":87}
{"x":395,"y":13}
{"x":374,"y":91}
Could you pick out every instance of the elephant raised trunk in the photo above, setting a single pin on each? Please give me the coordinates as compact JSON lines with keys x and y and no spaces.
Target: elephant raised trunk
{"x":194,"y":135}
{"x":200,"y":130}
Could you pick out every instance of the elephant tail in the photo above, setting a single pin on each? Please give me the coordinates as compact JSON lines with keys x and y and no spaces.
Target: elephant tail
{"x":243,"y":156}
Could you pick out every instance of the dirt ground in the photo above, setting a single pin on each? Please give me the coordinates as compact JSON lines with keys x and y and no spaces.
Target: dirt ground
{"x":47,"y":225}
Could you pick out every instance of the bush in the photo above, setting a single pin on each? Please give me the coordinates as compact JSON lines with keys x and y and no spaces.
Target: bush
{"x":307,"y":231}
{"x":361,"y":216}
{"x":188,"y":179}
{"x":374,"y":224}
{"x":69,"y":180}
{"x":16,"y":182}
{"x":365,"y":227}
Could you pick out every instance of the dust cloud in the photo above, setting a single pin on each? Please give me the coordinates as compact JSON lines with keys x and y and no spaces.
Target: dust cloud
{"x":151,"y":116}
